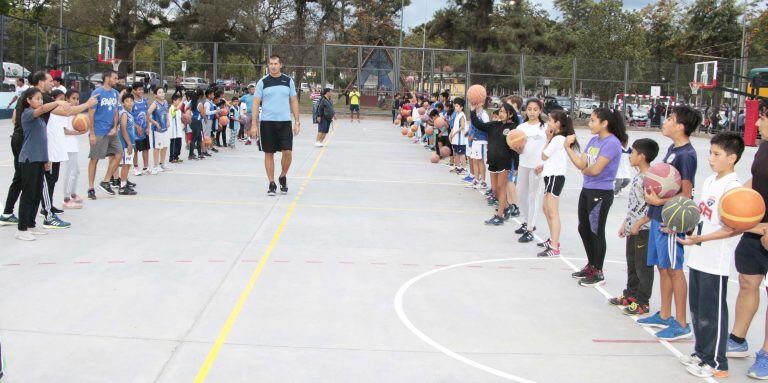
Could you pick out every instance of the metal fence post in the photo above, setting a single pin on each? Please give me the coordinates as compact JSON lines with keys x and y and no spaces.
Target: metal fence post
{"x":626,"y":87}
{"x":522,"y":75}
{"x":677,"y":73}
{"x":266,"y":60}
{"x":573,"y":89}
{"x":469,"y":72}
{"x":215,"y":62}
{"x":359,"y":68}
{"x":323,"y":66}
{"x":162,"y":63}
{"x":397,"y":69}
{"x":432,"y":71}
{"x":37,"y":43}
{"x":2,"y":39}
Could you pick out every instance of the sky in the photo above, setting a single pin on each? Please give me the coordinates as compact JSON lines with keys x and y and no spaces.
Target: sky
{"x":414,"y":13}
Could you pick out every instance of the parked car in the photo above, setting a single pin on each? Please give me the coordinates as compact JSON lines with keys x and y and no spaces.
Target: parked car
{"x":553,"y":103}
{"x":12,"y":71}
{"x":197,"y":83}
{"x":304,"y":87}
{"x":228,"y":85}
{"x":640,"y":113}
{"x":586,"y":108}
{"x":151,"y":78}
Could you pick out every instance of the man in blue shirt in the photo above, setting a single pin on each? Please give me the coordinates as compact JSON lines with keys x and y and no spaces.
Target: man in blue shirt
{"x":103,"y":135}
{"x":276,"y":94}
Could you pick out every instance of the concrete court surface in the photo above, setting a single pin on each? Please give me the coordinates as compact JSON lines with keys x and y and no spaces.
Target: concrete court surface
{"x":140,"y":288}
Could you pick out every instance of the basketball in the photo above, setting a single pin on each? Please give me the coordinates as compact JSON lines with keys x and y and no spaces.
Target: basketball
{"x":516,"y":140}
{"x":440,"y":123}
{"x":422,"y":110}
{"x":663,"y":179}
{"x":80,"y":123}
{"x":410,"y":134}
{"x":680,"y":214}
{"x":409,"y":119}
{"x":224,"y":111}
{"x":207,"y":141}
{"x":398,"y":121}
{"x":186,"y":118}
{"x":406,"y":112}
{"x":414,"y":128}
{"x":445,"y":151}
{"x":245,"y":119}
{"x":424,"y":117}
{"x":223,"y":120}
{"x":476,"y":94}
{"x":741,"y":208}
{"x":429,"y":130}
{"x":405,"y":131}
{"x":434,"y":158}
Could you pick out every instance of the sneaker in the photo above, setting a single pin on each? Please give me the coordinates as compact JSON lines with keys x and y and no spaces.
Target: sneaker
{"x":130,"y":184}
{"x":54,"y":222}
{"x":759,"y":369}
{"x":77,"y":198}
{"x":146,"y":171}
{"x":192,"y":158}
{"x":283,"y":185}
{"x":165,"y":168}
{"x":91,"y":194}
{"x":153,"y":171}
{"x":24,"y":236}
{"x":635,"y":308}
{"x":489,"y":193}
{"x":56,"y":210}
{"x":71,"y":204}
{"x":594,"y":279}
{"x":126,"y":190}
{"x":201,"y":157}
{"x":622,"y":301}
{"x":735,"y":349}
{"x":208,"y":154}
{"x":507,"y":213}
{"x":675,"y":331}
{"x":522,"y":229}
{"x":106,"y":188}
{"x":114,"y":181}
{"x":37,"y":231}
{"x":549,"y":252}
{"x":248,"y":142}
{"x":272,"y":189}
{"x":586,"y":270}
{"x":492,"y":201}
{"x":703,"y":370}
{"x":689,"y":360}
{"x":8,"y":220}
{"x":318,"y":144}
{"x":656,"y":320}
{"x":495,"y":221}
{"x":526,"y":237}
{"x":515,"y":211}
{"x":214,"y":150}
{"x":546,"y":243}
{"x":483,"y":185}
{"x":136,"y":171}
{"x":469,"y":179}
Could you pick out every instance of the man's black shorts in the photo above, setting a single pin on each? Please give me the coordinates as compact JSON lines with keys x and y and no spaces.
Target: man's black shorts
{"x":276,"y":136}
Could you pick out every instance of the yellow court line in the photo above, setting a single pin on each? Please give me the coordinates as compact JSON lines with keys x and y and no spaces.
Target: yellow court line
{"x":213,"y":354}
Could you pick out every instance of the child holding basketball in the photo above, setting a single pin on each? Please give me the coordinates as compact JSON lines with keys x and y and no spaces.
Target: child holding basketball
{"x":555,"y":166}
{"x":127,"y":136}
{"x":637,"y":293}
{"x":663,"y":250}
{"x":599,"y":164}
{"x":529,"y":169}
{"x":710,"y":262}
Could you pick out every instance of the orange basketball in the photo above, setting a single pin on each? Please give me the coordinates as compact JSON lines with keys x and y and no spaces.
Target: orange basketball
{"x":405,"y":131}
{"x":406,"y":112}
{"x":207,"y":141}
{"x":741,"y":208}
{"x":516,"y":140}
{"x":223,"y":120}
{"x":80,"y":123}
{"x":409,"y":119}
{"x":476,"y":94}
{"x":429,"y":130}
{"x":224,"y":111}
{"x":414,"y":128}
{"x":410,"y":134}
{"x":440,"y":123}
{"x":445,"y":151}
{"x":434,"y":158}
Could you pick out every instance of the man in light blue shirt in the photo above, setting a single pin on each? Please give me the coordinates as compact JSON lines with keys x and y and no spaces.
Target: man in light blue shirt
{"x":276,"y":95}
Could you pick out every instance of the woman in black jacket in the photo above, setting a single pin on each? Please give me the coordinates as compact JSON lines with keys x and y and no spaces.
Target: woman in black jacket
{"x":501,"y":158}
{"x":325,"y":116}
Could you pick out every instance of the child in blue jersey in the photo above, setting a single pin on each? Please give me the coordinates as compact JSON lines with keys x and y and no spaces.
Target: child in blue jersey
{"x":158,"y":136}
{"x":127,"y":135}
{"x":663,"y":250}
{"x":139,"y":112}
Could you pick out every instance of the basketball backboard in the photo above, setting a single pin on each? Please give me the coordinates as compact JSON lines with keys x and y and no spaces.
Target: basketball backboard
{"x":106,"y":52}
{"x":705,"y":74}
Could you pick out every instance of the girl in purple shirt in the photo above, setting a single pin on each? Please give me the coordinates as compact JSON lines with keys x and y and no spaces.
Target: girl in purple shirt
{"x":599,"y":163}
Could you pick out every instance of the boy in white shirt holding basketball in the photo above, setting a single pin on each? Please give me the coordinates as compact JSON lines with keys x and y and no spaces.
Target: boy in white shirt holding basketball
{"x":710,"y":262}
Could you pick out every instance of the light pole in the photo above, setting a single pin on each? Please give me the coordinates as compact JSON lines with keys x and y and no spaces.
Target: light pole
{"x":423,"y":45}
{"x":402,"y":14}
{"x":61,"y":31}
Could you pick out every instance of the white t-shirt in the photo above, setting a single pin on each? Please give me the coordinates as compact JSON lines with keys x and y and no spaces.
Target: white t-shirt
{"x":557,"y":159}
{"x":20,"y":89}
{"x":176,"y":129}
{"x":62,"y":88}
{"x":70,"y":141}
{"x":57,"y":151}
{"x":713,"y":257}
{"x":536,"y":138}
{"x":460,"y":138}
{"x":625,"y":169}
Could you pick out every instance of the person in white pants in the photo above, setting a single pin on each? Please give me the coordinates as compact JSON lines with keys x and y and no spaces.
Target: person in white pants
{"x":529,"y":170}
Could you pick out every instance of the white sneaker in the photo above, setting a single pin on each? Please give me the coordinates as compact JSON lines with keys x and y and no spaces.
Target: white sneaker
{"x":153,"y":171}
{"x":689,"y":360}
{"x":166,"y":168}
{"x":24,"y":236}
{"x":37,"y":231}
{"x":146,"y":171}
{"x":136,"y":171}
{"x":318,"y":144}
{"x":703,"y":370}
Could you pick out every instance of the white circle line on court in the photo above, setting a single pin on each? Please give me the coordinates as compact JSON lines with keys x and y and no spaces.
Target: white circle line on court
{"x":445,"y":350}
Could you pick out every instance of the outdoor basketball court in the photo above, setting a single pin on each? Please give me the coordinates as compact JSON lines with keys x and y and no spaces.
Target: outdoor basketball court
{"x":376,"y":267}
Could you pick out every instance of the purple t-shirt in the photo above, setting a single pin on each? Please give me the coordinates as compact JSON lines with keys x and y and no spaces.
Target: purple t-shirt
{"x":610,"y":148}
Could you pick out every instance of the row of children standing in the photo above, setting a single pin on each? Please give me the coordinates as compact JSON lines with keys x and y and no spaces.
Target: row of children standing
{"x":540,"y":172}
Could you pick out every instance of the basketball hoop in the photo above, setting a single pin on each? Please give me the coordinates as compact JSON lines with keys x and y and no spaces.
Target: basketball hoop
{"x":115,"y":64}
{"x":695,"y":87}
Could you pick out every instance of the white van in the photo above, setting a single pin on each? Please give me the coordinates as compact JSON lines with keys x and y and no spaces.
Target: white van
{"x":12,"y":71}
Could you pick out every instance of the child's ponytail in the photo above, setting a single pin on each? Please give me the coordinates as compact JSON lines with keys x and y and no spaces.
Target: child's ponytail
{"x":615,"y":120}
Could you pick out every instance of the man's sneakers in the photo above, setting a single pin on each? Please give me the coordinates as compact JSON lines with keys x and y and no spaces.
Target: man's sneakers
{"x":703,"y":370}
{"x":522,"y":229}
{"x":735,"y":349}
{"x":675,"y":331}
{"x":759,"y":369}
{"x":546,"y":243}
{"x":126,"y":190}
{"x":24,"y":236}
{"x":114,"y":182}
{"x":656,"y":320}
{"x":593,"y":279}
{"x":283,"y":184}
{"x":272,"y":191}
{"x":583,"y":273}
{"x":8,"y":220}
{"x":91,"y":194}
{"x":549,"y":253}
{"x":635,"y":308}
{"x":526,"y":237}
{"x":495,"y":221}
{"x":622,"y":301}
{"x":54,"y":222}
{"x":105,"y":187}
{"x":689,"y":360}
{"x":515,"y":211}
{"x":468,"y":179}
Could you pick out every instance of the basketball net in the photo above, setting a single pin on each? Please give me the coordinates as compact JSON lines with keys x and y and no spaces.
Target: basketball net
{"x":695,"y":87}
{"x":116,"y":64}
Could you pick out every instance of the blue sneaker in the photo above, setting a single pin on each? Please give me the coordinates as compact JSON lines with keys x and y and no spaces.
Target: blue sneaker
{"x":8,"y":220}
{"x":655,"y":321}
{"x":736,"y":350}
{"x":55,"y":223}
{"x":468,"y":179}
{"x":675,"y":331}
{"x":759,"y":370}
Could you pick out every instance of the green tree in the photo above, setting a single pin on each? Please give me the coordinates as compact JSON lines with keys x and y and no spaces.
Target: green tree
{"x":711,"y":29}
